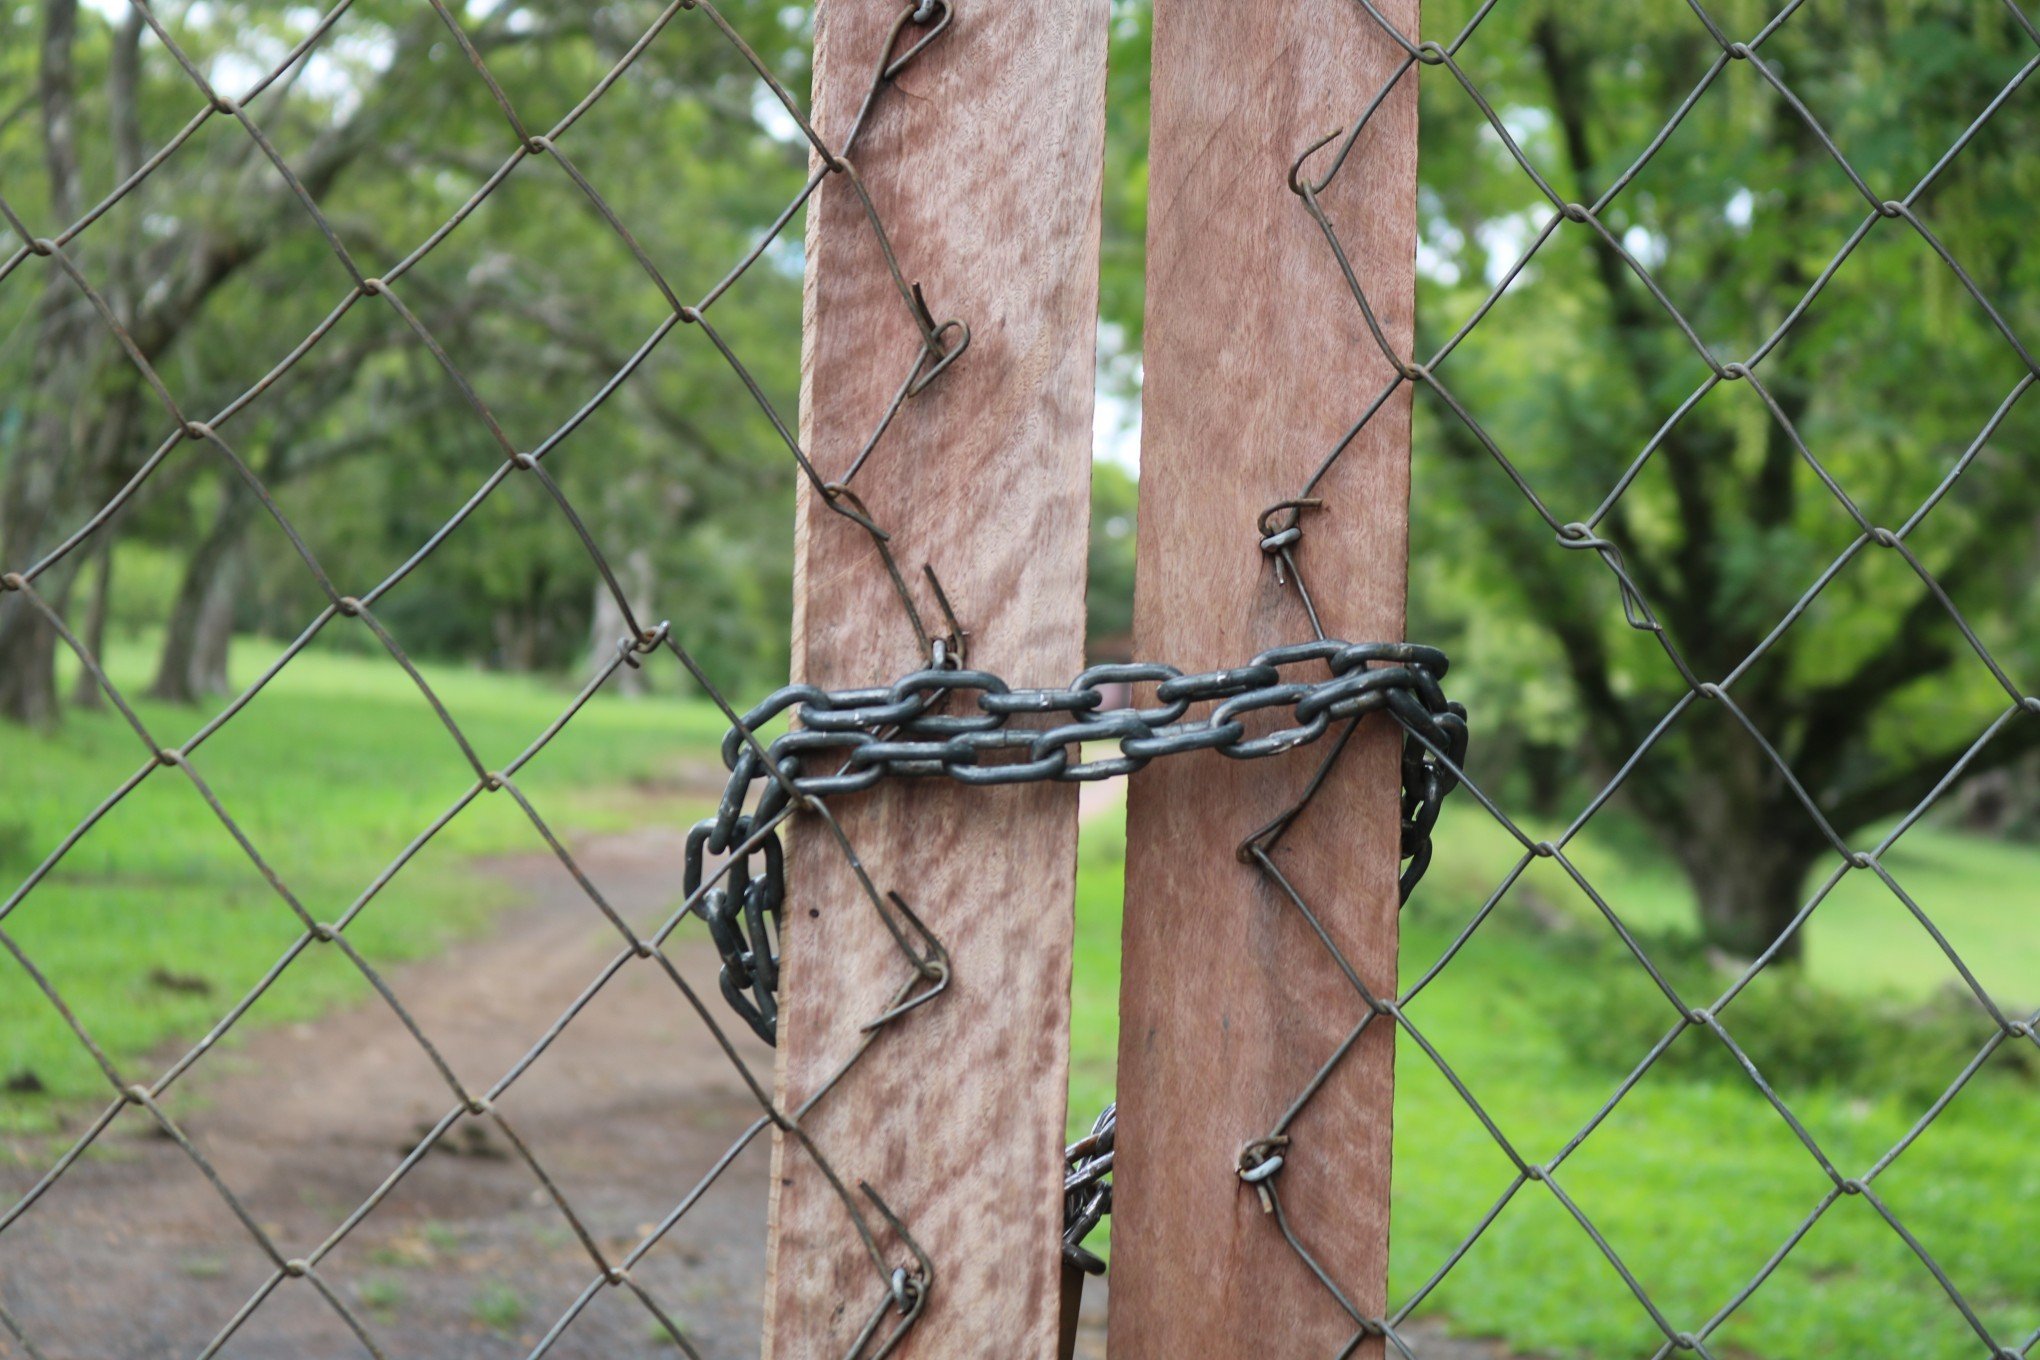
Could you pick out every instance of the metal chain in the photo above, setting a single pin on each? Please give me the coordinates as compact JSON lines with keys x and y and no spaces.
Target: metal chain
{"x":906,"y":730}
{"x":1087,"y":1190}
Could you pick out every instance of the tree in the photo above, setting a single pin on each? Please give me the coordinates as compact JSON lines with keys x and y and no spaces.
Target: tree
{"x":85,"y":399}
{"x":389,"y":131}
{"x":1874,"y":695}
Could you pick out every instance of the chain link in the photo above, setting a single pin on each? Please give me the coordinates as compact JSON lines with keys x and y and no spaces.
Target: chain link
{"x":908,"y":730}
{"x":1087,"y":1190}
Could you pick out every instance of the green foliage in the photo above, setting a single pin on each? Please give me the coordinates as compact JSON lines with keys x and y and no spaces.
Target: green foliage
{"x":381,"y":1295}
{"x":369,"y":446}
{"x":1094,"y":999}
{"x":1108,"y":599}
{"x":1577,"y":371}
{"x":1799,"y":1034}
{"x":1123,"y":244}
{"x":499,"y":1306}
{"x":14,"y":844}
{"x":1888,"y":377}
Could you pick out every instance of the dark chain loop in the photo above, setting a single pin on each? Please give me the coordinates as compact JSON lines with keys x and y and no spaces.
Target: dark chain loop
{"x":742,"y":913}
{"x":922,"y":726}
{"x":1087,"y":1190}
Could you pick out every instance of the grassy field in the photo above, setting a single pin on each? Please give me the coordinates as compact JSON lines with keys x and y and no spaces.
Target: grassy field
{"x":1694,"y":1179}
{"x":156,"y":921}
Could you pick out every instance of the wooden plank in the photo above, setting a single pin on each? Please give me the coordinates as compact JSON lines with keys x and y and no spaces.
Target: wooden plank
{"x":1257,"y":360}
{"x":985,"y":163}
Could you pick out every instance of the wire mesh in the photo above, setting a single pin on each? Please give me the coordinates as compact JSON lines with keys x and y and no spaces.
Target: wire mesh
{"x":1317,"y":167}
{"x":902,"y":1275}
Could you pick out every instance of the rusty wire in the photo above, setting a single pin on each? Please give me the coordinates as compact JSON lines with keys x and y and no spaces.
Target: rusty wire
{"x":903,"y":1275}
{"x":1262,"y":1162}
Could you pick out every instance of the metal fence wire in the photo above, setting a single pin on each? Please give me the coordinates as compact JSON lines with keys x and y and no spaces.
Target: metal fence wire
{"x":898,"y":731}
{"x":901,"y":1275}
{"x":1317,"y":167}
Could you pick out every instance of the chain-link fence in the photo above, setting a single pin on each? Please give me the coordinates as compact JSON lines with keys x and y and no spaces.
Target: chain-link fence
{"x":901,"y":1275}
{"x":1634,"y":256}
{"x":922,"y":726}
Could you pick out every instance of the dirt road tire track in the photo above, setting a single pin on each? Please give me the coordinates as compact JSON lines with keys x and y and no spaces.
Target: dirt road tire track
{"x":132,"y":1256}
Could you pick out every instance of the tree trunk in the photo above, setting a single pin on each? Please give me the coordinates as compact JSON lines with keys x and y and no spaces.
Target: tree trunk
{"x":516,"y":639}
{"x":213,"y":633}
{"x":1723,"y":811}
{"x":41,"y":468}
{"x":28,"y":650}
{"x":606,"y":627}
{"x":86,"y":692}
{"x":1747,"y":846}
{"x":41,"y":496}
{"x":1749,"y":890}
{"x":194,"y":658}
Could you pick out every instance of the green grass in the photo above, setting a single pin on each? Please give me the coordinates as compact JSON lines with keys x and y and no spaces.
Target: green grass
{"x":1983,"y":895}
{"x":1694,"y":1179}
{"x":1094,"y":994}
{"x":156,"y":921}
{"x":381,"y":1295}
{"x":499,"y":1307}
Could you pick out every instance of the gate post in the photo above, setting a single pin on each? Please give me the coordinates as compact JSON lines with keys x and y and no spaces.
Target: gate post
{"x":1257,"y":364}
{"x":982,"y":156}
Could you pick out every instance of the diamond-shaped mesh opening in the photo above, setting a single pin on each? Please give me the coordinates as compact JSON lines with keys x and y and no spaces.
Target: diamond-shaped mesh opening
{"x":1693,"y":1120}
{"x":1496,"y":1299}
{"x":1967,"y":890}
{"x":92,"y":1248}
{"x":1895,"y":90}
{"x":568,"y":299}
{"x":1498,"y":1009}
{"x":1962,"y":1198}
{"x":412,"y":761}
{"x":634,"y":1047}
{"x":1888,"y":449}
{"x":401,"y":70}
{"x":1715,"y":601}
{"x":1554,"y":386}
{"x":1849,"y":1280}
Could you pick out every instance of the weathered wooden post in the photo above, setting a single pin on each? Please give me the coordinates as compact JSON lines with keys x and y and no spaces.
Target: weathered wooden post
{"x":984,"y":160}
{"x":1257,"y":362}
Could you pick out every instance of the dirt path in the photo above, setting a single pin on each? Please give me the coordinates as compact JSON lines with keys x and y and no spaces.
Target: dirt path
{"x":133,"y":1256}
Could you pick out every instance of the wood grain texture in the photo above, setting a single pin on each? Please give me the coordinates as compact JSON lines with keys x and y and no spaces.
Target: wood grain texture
{"x":1257,"y":361}
{"x":985,"y":163}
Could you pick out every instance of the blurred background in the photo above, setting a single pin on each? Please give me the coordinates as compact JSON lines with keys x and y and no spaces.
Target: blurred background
{"x":1903,"y":388}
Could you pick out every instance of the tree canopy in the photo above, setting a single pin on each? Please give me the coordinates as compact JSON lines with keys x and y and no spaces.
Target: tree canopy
{"x":1893,"y":389}
{"x":1892,"y":379}
{"x":218,"y":271}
